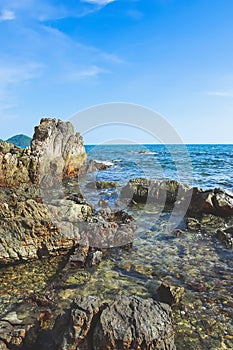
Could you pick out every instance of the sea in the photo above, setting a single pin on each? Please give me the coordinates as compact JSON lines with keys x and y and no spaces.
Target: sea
{"x":206,"y":166}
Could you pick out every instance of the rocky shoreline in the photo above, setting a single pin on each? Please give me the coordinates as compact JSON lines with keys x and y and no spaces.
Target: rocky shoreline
{"x":44,"y":216}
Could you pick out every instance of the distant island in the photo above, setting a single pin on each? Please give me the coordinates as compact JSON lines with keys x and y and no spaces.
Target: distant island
{"x":22,"y":141}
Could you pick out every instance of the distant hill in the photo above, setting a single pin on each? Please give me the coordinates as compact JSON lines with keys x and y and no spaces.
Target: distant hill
{"x":22,"y":141}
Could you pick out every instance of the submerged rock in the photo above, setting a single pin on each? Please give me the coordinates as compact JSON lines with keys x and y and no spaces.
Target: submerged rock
{"x":102,"y":184}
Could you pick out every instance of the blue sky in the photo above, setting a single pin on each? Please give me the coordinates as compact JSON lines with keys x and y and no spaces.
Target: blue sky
{"x":174,"y":56}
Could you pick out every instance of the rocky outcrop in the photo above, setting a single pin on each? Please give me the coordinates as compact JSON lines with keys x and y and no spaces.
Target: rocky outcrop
{"x":89,"y":323}
{"x":134,"y":323}
{"x":168,"y":192}
{"x":140,"y":190}
{"x":30,"y":229}
{"x":216,"y":202}
{"x":14,"y":165}
{"x":56,"y":152}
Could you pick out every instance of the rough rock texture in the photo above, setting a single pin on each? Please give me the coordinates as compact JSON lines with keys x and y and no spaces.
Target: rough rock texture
{"x":134,"y":323}
{"x":141,"y":190}
{"x":30,"y":230}
{"x":167,"y":192}
{"x":220,"y":227}
{"x":14,"y":165}
{"x":216,"y":202}
{"x":90,"y":324}
{"x":108,"y":229}
{"x":56,"y":152}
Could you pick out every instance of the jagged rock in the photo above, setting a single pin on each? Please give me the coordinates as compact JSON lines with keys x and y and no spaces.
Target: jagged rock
{"x":226,"y":236}
{"x":14,"y":165}
{"x":170,"y":295}
{"x":89,"y":323}
{"x":71,"y":328}
{"x":108,"y":229}
{"x":157,"y":192}
{"x":134,"y":323}
{"x":216,"y":202}
{"x":167,"y":192}
{"x":94,"y":165}
{"x":56,"y":152}
{"x":31,"y":230}
{"x":102,"y":184}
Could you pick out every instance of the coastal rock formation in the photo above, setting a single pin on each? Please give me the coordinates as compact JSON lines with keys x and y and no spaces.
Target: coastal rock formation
{"x":89,"y":323}
{"x":134,"y":323}
{"x":56,"y":152}
{"x":157,"y":192}
{"x":216,"y":202}
{"x":14,"y":165}
{"x":30,"y":229}
{"x":167,"y":192}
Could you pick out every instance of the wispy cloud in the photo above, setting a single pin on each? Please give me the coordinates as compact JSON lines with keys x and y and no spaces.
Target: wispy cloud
{"x":90,"y":72}
{"x":98,"y":2}
{"x":220,"y":93}
{"x":111,"y":57}
{"x":7,"y":15}
{"x":14,"y":74}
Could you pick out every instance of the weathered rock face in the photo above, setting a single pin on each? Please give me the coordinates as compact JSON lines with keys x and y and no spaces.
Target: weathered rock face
{"x":216,"y":202}
{"x":108,"y":229}
{"x":154,"y":191}
{"x":31,"y":230}
{"x":134,"y":323}
{"x":56,"y":152}
{"x":14,"y":165}
{"x":167,"y":192}
{"x":127,"y":323}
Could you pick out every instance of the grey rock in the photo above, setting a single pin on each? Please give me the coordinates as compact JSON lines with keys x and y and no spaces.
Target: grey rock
{"x":134,"y":323}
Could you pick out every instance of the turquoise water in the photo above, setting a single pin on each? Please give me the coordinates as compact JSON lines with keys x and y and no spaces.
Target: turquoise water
{"x":205,"y":166}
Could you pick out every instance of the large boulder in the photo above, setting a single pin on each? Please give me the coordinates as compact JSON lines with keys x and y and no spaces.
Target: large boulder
{"x":134,"y":323}
{"x":156,"y":192}
{"x":217,"y":202}
{"x":90,"y":324}
{"x":31,"y":230}
{"x":56,"y":152}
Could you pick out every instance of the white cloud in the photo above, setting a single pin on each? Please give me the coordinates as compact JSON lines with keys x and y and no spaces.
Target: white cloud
{"x":11,"y":76}
{"x":14,"y":74}
{"x":92,"y":71}
{"x":99,"y":2}
{"x":220,"y":93}
{"x":7,"y":15}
